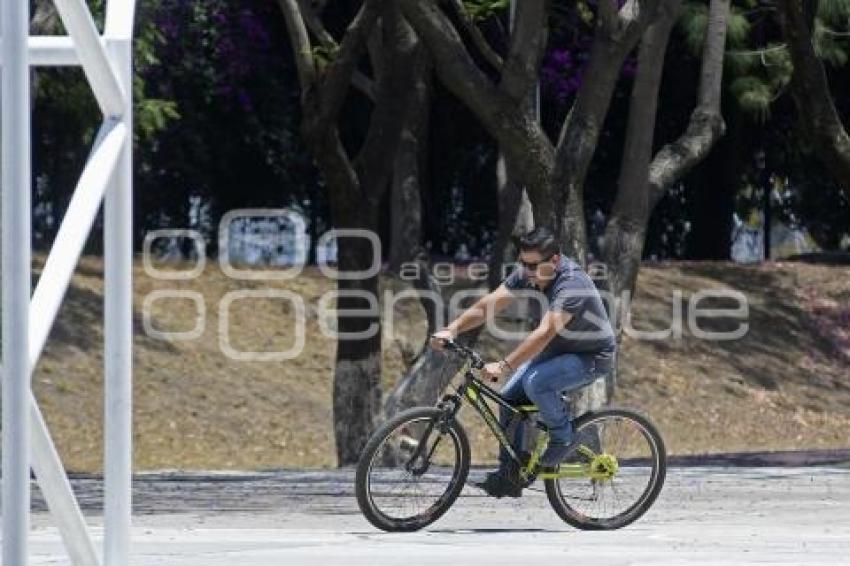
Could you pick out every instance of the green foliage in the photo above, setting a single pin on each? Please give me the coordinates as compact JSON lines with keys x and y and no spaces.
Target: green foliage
{"x":693,"y":23}
{"x":828,"y":45}
{"x":758,"y":75}
{"x":754,"y":96}
{"x":834,"y":11}
{"x":151,"y":115}
{"x":483,"y":9}
{"x":753,"y":75}
{"x":738,"y":29}
{"x":742,"y":62}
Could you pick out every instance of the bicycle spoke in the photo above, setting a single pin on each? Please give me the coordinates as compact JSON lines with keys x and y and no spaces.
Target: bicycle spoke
{"x":409,"y":495}
{"x":612,"y":497}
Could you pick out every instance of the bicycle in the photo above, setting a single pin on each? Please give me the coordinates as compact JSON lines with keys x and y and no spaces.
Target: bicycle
{"x":415,"y":465}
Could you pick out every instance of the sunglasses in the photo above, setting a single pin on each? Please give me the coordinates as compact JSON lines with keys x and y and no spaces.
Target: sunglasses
{"x":532,"y":266}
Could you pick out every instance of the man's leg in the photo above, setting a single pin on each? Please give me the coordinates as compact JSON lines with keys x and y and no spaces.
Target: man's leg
{"x":514,"y":392}
{"x":543,"y":385}
{"x":505,"y":481}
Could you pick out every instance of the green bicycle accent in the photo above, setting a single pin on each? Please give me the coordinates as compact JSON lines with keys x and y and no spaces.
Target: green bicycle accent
{"x":599,"y":467}
{"x":415,"y":465}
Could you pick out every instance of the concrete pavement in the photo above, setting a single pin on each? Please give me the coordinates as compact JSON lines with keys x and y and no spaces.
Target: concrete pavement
{"x":704,"y":516}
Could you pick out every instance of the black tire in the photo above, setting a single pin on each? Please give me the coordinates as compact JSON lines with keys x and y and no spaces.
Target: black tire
{"x":657,"y":465}
{"x":416,"y":419}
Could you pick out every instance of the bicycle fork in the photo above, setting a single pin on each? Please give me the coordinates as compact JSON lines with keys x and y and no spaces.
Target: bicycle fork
{"x":449,"y":406}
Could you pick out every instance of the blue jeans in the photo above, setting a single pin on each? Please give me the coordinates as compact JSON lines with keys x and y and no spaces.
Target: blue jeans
{"x":541,"y":380}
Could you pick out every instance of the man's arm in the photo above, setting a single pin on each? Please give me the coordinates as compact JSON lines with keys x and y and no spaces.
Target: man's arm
{"x":476,"y":315}
{"x":552,"y":322}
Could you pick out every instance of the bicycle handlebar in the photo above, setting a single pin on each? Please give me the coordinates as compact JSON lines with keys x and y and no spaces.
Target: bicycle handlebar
{"x":456,"y":347}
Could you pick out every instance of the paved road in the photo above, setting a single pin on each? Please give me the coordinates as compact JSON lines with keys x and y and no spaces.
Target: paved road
{"x":727,"y":516}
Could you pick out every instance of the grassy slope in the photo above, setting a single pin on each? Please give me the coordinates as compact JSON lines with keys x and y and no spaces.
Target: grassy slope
{"x":784,"y":385}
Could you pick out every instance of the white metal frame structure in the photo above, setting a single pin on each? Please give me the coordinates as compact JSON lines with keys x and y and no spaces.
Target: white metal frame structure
{"x":107,"y":176}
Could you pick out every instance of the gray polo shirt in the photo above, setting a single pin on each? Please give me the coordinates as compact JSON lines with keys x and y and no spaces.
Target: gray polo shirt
{"x":572,"y":290}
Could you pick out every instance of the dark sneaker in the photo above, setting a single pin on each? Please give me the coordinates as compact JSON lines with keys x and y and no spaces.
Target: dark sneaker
{"x":500,"y":484}
{"x":558,"y":453}
{"x":589,"y":436}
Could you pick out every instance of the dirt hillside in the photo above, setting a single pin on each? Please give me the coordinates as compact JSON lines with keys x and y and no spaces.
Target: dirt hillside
{"x":784,"y":385}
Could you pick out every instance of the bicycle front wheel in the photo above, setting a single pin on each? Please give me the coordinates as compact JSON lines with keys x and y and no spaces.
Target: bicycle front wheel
{"x":412,"y":469}
{"x":622,"y":480}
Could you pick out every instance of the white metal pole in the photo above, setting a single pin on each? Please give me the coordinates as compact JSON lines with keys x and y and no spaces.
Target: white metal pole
{"x":78,"y":20}
{"x":58,"y":493}
{"x":73,"y":232}
{"x":118,"y":330}
{"x":16,"y":266}
{"x":50,"y":50}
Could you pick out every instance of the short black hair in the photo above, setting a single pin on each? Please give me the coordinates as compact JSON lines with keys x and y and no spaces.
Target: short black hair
{"x":541,"y":240}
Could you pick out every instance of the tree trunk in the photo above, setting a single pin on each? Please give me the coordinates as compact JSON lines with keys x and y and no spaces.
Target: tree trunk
{"x":516,"y":216}
{"x":408,"y":172}
{"x":356,"y":188}
{"x":357,"y":375}
{"x":810,"y":90}
{"x":625,"y":233}
{"x":615,"y":37}
{"x":715,"y":183}
{"x":626,"y":230}
{"x":706,"y":124}
{"x":579,"y":137}
{"x":500,"y":107}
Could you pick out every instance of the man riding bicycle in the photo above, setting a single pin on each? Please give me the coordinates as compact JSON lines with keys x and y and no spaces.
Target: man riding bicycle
{"x":572,"y":346}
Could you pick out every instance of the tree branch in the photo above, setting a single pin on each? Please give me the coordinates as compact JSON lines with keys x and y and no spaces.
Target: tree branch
{"x":706,"y":124}
{"x":632,"y":202}
{"x":453,"y":62}
{"x":528,"y":44}
{"x":629,"y":13}
{"x":403,"y":60}
{"x":493,"y":58}
{"x":711,"y":76}
{"x":314,"y":24}
{"x":339,"y":73}
{"x":317,"y":28}
{"x":608,"y":15}
{"x":634,"y":17}
{"x":626,"y":229}
{"x":810,"y":90}
{"x":522,"y":139}
{"x":375,"y":47}
{"x":301,"y":47}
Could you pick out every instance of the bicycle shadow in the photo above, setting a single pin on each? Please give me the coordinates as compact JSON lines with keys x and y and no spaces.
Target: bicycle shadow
{"x":492,"y":530}
{"x":465,"y":531}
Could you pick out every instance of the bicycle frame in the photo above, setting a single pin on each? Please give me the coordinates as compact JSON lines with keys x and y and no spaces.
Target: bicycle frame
{"x":475,"y":392}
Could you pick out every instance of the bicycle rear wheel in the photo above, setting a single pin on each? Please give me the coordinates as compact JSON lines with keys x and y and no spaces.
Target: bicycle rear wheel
{"x":412,"y":469}
{"x":624,"y":478}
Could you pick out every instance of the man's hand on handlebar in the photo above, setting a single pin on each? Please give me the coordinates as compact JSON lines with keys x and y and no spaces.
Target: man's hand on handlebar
{"x":444,"y":340}
{"x":438,"y":339}
{"x":494,"y":371}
